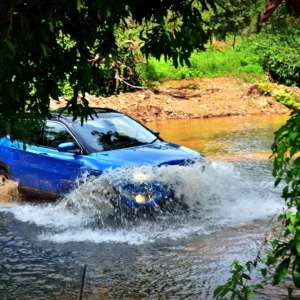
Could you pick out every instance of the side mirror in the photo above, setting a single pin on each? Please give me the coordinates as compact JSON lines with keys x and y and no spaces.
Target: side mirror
{"x":156,"y":132}
{"x":67,"y":147}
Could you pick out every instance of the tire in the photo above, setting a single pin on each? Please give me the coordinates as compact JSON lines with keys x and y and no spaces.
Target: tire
{"x":8,"y":188}
{"x":3,"y":177}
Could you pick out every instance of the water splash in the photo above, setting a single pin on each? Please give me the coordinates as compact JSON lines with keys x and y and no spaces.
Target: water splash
{"x":216,"y":193}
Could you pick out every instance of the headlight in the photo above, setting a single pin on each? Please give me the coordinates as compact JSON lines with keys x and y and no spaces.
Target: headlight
{"x":140,"y":199}
{"x":145,"y":195}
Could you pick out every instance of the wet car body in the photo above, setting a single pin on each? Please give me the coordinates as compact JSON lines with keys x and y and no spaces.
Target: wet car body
{"x":66,"y":150}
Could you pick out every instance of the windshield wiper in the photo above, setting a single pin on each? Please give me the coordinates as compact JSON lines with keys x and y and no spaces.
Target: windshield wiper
{"x":154,"y":140}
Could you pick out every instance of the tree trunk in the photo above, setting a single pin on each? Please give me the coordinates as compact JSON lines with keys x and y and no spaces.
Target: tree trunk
{"x":270,"y":6}
{"x":234,"y":40}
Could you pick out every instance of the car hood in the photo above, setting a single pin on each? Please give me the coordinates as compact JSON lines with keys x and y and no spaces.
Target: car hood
{"x":158,"y":153}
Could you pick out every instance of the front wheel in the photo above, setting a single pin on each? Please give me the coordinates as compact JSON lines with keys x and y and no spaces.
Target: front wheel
{"x":8,"y":188}
{"x":3,"y":177}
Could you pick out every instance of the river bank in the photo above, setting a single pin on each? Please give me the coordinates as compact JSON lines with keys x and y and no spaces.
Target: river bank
{"x":191,"y":99}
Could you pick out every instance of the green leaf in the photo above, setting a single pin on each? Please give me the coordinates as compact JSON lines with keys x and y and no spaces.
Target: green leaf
{"x":281,"y":271}
{"x":246,"y":276}
{"x":297,"y":242}
{"x":78,"y":5}
{"x":263,"y":272}
{"x":249,"y":265}
{"x":277,"y":181}
{"x":258,"y":286}
{"x":218,"y":290}
{"x":296,"y":272}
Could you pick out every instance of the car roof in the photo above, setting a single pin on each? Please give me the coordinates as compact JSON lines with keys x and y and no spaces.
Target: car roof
{"x":63,"y":115}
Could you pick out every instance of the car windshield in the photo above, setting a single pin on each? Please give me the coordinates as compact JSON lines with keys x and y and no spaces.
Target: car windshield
{"x":112,"y":131}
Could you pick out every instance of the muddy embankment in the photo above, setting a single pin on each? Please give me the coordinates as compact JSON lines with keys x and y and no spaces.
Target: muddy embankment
{"x":8,"y":191}
{"x":190,"y":99}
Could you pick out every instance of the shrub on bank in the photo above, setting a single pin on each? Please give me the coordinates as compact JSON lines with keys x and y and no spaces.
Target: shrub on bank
{"x":281,"y":94}
{"x":212,"y":62}
{"x":278,"y":55}
{"x":283,"y":65}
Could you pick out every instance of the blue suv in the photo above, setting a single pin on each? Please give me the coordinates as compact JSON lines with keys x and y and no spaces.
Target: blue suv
{"x":66,"y":149}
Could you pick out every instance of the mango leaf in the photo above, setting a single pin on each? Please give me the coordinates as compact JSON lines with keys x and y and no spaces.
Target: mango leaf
{"x":281,"y":271}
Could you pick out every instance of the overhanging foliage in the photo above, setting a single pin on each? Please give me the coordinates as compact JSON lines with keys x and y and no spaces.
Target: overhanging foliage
{"x":45,"y":42}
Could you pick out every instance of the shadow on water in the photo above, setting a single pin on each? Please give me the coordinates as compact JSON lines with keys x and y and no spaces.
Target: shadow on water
{"x":178,"y":256}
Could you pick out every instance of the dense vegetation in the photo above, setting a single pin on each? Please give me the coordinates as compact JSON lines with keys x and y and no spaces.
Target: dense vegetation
{"x":277,"y":56}
{"x":213,"y":62}
{"x":277,"y":46}
{"x":44,"y":44}
{"x":273,"y":51}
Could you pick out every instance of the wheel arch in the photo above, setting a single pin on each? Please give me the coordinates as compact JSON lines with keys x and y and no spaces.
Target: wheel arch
{"x":5,"y":167}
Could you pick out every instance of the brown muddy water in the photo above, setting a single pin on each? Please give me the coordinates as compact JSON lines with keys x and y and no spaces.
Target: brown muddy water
{"x":184,"y":256}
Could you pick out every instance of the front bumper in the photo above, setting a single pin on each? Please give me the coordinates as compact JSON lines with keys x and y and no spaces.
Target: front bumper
{"x":145,"y":195}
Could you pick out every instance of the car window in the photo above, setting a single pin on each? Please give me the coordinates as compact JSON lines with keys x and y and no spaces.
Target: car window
{"x":56,"y":133}
{"x":113,"y":131}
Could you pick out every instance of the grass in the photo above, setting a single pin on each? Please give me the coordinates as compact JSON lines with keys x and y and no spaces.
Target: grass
{"x":209,"y":63}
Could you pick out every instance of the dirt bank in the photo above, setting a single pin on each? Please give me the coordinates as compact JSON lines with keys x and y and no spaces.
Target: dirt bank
{"x":194,"y":98}
{"x":8,"y":191}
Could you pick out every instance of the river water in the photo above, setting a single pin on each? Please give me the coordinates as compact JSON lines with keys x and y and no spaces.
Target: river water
{"x":183,"y":256}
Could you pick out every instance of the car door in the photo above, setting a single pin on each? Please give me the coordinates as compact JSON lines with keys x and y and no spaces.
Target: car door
{"x":43,"y":167}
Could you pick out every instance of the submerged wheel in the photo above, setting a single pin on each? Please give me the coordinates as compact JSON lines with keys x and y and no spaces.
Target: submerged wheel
{"x":3,"y":177}
{"x":8,"y":188}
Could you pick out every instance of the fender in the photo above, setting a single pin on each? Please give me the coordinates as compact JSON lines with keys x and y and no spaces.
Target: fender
{"x":5,"y":167}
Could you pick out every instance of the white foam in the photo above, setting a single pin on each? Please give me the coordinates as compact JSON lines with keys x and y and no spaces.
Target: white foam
{"x":217,"y":194}
{"x":134,"y":236}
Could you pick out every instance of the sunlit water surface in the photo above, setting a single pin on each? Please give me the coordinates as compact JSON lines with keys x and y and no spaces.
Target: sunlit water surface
{"x":181,"y":256}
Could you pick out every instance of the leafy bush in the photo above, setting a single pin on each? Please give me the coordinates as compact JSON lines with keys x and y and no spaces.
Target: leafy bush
{"x":283,"y":64}
{"x":279,"y":55}
{"x":116,"y":74}
{"x":281,"y":94}
{"x":286,"y":165}
{"x":212,"y":62}
{"x":237,"y":286}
